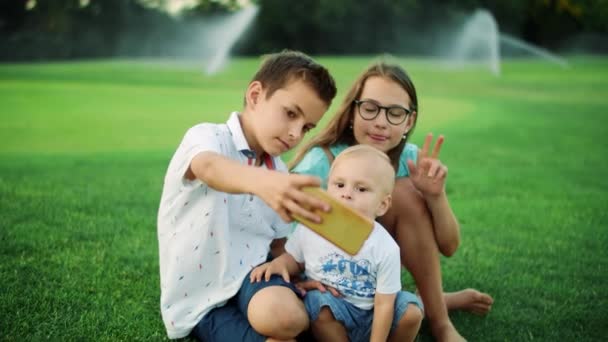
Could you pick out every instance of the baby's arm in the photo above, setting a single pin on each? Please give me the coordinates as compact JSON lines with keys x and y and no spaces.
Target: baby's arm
{"x":277,"y":247}
{"x":281,"y":191}
{"x":285,"y":265}
{"x":384,"y":309}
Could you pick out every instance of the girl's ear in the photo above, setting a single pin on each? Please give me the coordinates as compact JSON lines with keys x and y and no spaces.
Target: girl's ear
{"x":253,"y":93}
{"x":411,"y":120}
{"x":384,"y":205}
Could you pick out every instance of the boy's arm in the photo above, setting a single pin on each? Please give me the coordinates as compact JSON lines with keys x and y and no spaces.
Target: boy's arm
{"x":281,"y":191}
{"x":384,"y":308}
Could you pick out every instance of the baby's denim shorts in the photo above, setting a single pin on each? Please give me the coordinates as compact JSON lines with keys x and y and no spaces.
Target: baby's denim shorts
{"x":358,"y":322}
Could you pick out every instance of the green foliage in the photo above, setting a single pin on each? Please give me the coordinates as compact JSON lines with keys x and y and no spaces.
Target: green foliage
{"x":64,"y":29}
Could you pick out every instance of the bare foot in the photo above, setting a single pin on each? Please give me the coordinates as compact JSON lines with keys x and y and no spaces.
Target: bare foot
{"x":446,"y":333}
{"x":469,"y":300}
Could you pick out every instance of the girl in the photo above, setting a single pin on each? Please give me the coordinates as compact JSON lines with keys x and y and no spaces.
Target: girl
{"x":380,"y":110}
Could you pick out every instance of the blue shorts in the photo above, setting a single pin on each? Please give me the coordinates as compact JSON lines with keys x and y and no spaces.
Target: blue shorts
{"x":358,"y":322}
{"x":229,"y":322}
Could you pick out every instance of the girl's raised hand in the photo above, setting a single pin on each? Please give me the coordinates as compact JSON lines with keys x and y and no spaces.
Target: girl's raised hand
{"x":428,"y":176}
{"x":283,"y":193}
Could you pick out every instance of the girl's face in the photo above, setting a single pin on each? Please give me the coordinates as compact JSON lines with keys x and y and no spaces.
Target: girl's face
{"x":379,"y":132}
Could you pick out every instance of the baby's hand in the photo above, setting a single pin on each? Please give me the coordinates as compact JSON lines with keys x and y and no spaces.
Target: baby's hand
{"x":429,"y":175}
{"x":267,"y":270}
{"x":307,"y":285}
{"x":256,"y":274}
{"x":283,"y":193}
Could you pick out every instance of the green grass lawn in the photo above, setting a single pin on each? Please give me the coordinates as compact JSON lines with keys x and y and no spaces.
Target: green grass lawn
{"x":85,"y":146}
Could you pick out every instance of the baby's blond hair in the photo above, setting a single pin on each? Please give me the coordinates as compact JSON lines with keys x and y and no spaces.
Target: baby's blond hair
{"x":375,"y":157}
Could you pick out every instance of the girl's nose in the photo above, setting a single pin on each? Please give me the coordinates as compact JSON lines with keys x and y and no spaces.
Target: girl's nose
{"x":381,"y":120}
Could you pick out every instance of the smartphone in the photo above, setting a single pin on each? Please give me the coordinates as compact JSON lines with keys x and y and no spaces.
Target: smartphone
{"x":342,"y":226}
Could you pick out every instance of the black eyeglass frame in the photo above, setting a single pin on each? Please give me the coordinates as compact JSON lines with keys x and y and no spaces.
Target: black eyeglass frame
{"x":358,"y":103}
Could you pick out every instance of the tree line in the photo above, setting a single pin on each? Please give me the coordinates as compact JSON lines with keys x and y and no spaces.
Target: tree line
{"x":70,"y":29}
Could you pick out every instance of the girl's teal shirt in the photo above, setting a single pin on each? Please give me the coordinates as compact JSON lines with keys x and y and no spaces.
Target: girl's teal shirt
{"x":315,"y":162}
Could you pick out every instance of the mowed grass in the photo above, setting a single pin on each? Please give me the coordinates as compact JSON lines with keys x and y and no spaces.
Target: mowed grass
{"x":85,"y":146}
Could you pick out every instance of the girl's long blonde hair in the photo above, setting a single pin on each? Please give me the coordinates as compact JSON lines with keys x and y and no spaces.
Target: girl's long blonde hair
{"x":337,"y":130}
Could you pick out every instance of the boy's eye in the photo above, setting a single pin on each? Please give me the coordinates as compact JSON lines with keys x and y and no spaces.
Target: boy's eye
{"x":361,"y":189}
{"x":291,"y":114}
{"x":340,"y":185}
{"x":306,"y":129}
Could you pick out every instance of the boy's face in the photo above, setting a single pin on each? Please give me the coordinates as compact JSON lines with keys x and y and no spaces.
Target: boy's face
{"x":356,"y":183}
{"x":280,"y":121}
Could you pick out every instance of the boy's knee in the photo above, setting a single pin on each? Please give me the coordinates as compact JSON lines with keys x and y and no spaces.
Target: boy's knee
{"x":412,"y":318}
{"x":277,"y":312}
{"x":292,"y":317}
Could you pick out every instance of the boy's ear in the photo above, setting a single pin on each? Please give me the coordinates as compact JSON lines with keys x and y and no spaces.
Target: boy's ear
{"x":384,"y":205}
{"x":254,"y":91}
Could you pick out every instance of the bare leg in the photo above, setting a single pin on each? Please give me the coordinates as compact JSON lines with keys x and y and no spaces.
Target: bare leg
{"x":410,"y":223}
{"x":327,"y":328}
{"x":278,"y":313}
{"x":408,"y":325}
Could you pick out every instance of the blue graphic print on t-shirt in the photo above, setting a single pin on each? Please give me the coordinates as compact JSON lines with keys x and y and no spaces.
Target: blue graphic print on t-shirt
{"x":351,"y":277}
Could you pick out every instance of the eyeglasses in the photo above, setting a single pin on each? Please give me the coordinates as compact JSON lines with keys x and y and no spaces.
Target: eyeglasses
{"x":369,"y":110}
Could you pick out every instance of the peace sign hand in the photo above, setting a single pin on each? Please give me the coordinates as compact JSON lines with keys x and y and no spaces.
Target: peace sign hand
{"x":430,"y":174}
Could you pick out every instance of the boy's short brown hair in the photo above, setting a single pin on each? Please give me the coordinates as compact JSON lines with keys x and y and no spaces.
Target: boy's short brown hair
{"x":279,"y":69}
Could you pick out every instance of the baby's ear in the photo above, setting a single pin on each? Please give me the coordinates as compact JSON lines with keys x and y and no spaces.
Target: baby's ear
{"x":384,"y":205}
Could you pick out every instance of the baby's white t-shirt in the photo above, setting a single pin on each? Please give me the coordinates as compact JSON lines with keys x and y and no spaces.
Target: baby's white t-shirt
{"x":375,"y":268}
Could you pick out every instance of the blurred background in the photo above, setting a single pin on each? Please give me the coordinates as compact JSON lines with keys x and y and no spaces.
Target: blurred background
{"x":193,"y":29}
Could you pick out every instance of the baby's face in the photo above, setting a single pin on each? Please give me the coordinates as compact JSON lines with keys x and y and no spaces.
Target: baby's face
{"x":358,"y":185}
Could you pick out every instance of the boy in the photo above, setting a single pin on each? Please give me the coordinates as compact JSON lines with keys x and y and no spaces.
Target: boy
{"x":370,"y":282}
{"x":216,"y":220}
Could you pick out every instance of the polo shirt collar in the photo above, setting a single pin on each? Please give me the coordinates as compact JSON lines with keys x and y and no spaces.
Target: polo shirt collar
{"x":238,"y":137}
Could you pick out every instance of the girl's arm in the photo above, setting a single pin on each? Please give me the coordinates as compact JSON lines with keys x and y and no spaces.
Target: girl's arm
{"x":384,"y":307}
{"x":445,"y":224}
{"x":429,"y":177}
{"x":281,"y":191}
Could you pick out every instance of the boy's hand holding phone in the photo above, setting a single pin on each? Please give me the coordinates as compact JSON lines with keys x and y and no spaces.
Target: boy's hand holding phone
{"x":283,"y":193}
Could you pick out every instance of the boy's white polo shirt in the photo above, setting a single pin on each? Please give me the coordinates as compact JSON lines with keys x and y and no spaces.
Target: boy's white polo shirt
{"x":209,"y":240}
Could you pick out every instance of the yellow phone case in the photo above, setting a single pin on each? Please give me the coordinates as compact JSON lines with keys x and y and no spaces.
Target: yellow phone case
{"x":342,"y":226}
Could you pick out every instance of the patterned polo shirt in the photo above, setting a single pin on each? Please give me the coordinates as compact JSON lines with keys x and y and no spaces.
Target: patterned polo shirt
{"x":209,"y":240}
